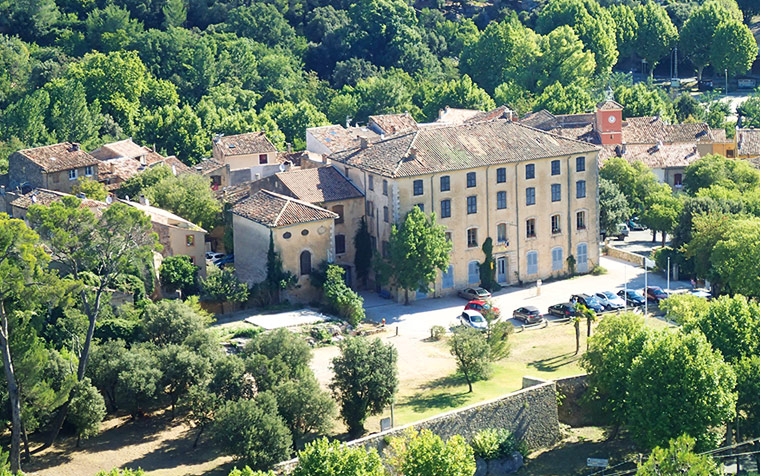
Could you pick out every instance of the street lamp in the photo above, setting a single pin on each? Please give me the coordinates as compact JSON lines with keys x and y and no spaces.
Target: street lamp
{"x":726,"y":71}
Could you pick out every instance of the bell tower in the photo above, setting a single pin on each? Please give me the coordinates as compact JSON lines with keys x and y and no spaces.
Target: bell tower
{"x":608,"y":122}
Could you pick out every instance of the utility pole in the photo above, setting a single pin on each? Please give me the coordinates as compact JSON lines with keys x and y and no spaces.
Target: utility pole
{"x":625,"y":288}
{"x":646,"y":298}
{"x":668,"y":273}
{"x":726,"y":71}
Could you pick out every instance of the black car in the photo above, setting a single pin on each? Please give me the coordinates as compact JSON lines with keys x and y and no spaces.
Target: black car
{"x":566,"y":309}
{"x":632,"y":298}
{"x":528,"y":315}
{"x":590,"y":302}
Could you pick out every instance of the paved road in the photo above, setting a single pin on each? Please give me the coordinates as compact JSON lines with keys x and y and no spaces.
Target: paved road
{"x":417,"y":319}
{"x":640,"y":242}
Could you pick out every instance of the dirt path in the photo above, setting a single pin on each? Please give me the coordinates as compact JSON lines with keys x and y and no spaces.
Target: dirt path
{"x":156,"y":444}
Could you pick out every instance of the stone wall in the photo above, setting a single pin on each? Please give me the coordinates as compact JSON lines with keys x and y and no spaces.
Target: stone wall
{"x":573,"y":409}
{"x":633,"y":258}
{"x":531,"y":414}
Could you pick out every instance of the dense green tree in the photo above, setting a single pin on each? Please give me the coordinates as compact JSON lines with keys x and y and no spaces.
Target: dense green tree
{"x":331,"y":458}
{"x":642,"y":100}
{"x":734,"y":48}
{"x":172,"y":321}
{"x":276,"y":357}
{"x":417,"y":250}
{"x":730,"y":324}
{"x":110,"y":28}
{"x":425,"y":453}
{"x":656,"y":34}
{"x":460,"y":93}
{"x":24,"y":120}
{"x":16,"y":62}
{"x":686,"y":108}
{"x":104,"y":369}
{"x":342,"y":299}
{"x":221,"y":285}
{"x":252,"y":431}
{"x":178,"y":273}
{"x":558,"y":99}
{"x":635,"y":180}
{"x":139,"y":377}
{"x":365,"y":380}
{"x":714,"y":169}
{"x":735,"y":259}
{"x":87,"y":409}
{"x":363,"y":255}
{"x":375,"y":24}
{"x":262,"y":22}
{"x":90,"y":189}
{"x":181,"y":368}
{"x":626,"y":28}
{"x":613,"y":206}
{"x":749,"y":111}
{"x":679,"y":458}
{"x":515,"y":97}
{"x":472,"y":353}
{"x":294,"y":119}
{"x":31,"y":19}
{"x":564,"y":59}
{"x":174,"y":130}
{"x":747,"y":388}
{"x":175,"y":13}
{"x":661,"y":210}
{"x":749,"y":8}
{"x":677,"y":370}
{"x":142,"y":181}
{"x":188,"y":195}
{"x":697,"y":34}
{"x":305,"y":407}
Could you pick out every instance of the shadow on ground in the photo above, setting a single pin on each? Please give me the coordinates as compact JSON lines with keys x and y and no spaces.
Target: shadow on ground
{"x":551,"y":364}
{"x":425,"y":399}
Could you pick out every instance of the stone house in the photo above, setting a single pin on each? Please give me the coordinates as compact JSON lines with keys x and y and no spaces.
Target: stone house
{"x":122,"y":160}
{"x":534,"y":193}
{"x":52,"y":167}
{"x":303,"y":235}
{"x":326,"y":188}
{"x":250,"y":156}
{"x":325,"y":140}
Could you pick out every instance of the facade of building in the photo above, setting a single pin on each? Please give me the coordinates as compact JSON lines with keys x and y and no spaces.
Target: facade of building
{"x":303,"y":235}
{"x":250,"y":156}
{"x":53,"y":167}
{"x":533,"y":193}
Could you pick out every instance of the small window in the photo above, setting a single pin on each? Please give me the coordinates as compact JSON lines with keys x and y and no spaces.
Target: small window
{"x":338,"y":209}
{"x":501,"y":232}
{"x":190,"y":240}
{"x":287,"y":235}
{"x":530,"y":171}
{"x":555,"y":167}
{"x":445,"y":208}
{"x":73,"y":174}
{"x":418,"y":187}
{"x":677,"y":180}
{"x":730,"y":153}
{"x":385,"y":214}
{"x":471,"y":179}
{"x":556,"y":192}
{"x":305,"y":261}
{"x":88,"y":171}
{"x":532,"y":262}
{"x":371,"y":182}
{"x":580,"y":164}
{"x":557,"y":262}
{"x":580,"y":220}
{"x":501,"y":200}
{"x":580,"y":189}
{"x":472,"y":205}
{"x":530,"y":228}
{"x":445,"y":183}
{"x":262,"y":159}
{"x":555,"y":224}
{"x":472,"y":237}
{"x":304,"y":232}
{"x":448,"y":236}
{"x":340,"y":244}
{"x":385,"y":187}
{"x":501,"y":175}
{"x":530,"y":196}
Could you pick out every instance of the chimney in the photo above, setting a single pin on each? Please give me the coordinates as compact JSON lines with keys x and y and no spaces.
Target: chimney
{"x":144,"y":201}
{"x":75,"y":147}
{"x":658,"y":146}
{"x":508,"y":114}
{"x":364,"y":142}
{"x":290,"y":147}
{"x":412,"y":152}
{"x":348,"y":121}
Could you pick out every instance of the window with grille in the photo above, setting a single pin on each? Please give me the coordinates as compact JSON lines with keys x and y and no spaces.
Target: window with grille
{"x":530,"y":171}
{"x":340,"y":244}
{"x":501,"y":200}
{"x":530,"y":196}
{"x":501,"y":175}
{"x":555,"y":167}
{"x":385,"y":214}
{"x":445,"y":208}
{"x":580,"y":189}
{"x":501,"y":232}
{"x":418,"y":187}
{"x":472,"y":205}
{"x":580,"y":220}
{"x":580,"y":164}
{"x":471,"y":180}
{"x":556,"y":192}
{"x":445,"y":183}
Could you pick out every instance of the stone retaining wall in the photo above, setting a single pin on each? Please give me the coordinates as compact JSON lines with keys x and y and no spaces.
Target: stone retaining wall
{"x":629,"y":257}
{"x":530,"y":414}
{"x":573,"y":409}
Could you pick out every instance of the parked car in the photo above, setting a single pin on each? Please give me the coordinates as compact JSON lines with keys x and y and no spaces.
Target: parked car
{"x":702,"y":293}
{"x":479,"y":305}
{"x":473,"y":319}
{"x":632,"y":298}
{"x":211,"y":255}
{"x":634,"y":225}
{"x":656,"y":293}
{"x":528,"y":315}
{"x":610,"y":300}
{"x":474,"y":294}
{"x":224,"y":260}
{"x":590,"y":302}
{"x":621,"y":231}
{"x":566,"y":309}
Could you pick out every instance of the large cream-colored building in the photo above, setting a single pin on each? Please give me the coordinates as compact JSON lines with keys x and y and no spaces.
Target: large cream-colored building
{"x":303,"y":235}
{"x":534,"y":193}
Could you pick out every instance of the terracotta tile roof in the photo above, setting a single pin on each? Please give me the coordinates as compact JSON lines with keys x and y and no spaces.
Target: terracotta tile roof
{"x":272,"y":210}
{"x":293,"y":158}
{"x":41,"y":196}
{"x":338,"y":138}
{"x":207,"y":166}
{"x":585,"y":133}
{"x":501,"y":112}
{"x":748,"y":142}
{"x":458,"y":147}
{"x":122,"y":169}
{"x":652,"y":129}
{"x":233,"y":193}
{"x":542,"y":119}
{"x":452,"y":115}
{"x":691,"y":132}
{"x":318,"y":185}
{"x":719,"y":135}
{"x":653,"y":156}
{"x":575,"y":120}
{"x":57,"y":157}
{"x":242,"y":144}
{"x":609,"y":105}
{"x":121,"y":149}
{"x":393,"y":123}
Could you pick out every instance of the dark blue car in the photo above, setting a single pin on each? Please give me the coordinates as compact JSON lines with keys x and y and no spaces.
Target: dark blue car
{"x":632,"y":298}
{"x":590,"y":302}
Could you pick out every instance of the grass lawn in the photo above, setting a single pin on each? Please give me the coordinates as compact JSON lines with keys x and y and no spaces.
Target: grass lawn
{"x":546,"y":353}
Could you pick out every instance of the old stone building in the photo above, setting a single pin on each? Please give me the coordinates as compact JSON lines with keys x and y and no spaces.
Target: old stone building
{"x":52,"y":167}
{"x":534,"y":193}
{"x":249,"y":156}
{"x":122,"y":160}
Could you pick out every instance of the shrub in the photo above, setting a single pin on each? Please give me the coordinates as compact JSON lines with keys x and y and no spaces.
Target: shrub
{"x":598,"y":270}
{"x":247,"y":332}
{"x":493,"y":443}
{"x":341,"y":298}
{"x":437,"y":332}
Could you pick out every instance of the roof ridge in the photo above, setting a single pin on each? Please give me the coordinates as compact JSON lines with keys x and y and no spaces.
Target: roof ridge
{"x":595,"y":146}
{"x":296,"y":200}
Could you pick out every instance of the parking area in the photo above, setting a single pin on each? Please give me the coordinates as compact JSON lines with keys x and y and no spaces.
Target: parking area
{"x":640,"y":242}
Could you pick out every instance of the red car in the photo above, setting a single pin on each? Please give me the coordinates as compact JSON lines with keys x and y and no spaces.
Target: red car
{"x":480,"y":306}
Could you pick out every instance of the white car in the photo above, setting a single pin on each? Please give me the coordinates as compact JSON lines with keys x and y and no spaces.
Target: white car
{"x":212,"y":256}
{"x":473,"y":319}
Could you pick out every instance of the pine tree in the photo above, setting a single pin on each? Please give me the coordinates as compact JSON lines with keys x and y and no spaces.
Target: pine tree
{"x":363,"y":257}
{"x":175,"y":13}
